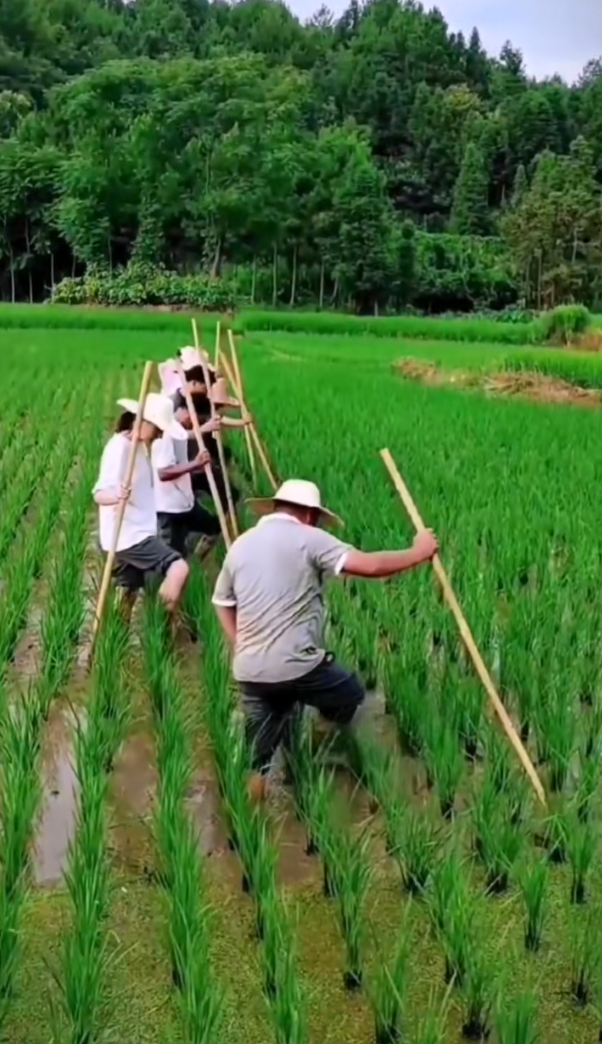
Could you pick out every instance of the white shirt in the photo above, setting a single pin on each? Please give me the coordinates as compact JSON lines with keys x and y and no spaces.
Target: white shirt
{"x":176,"y":497}
{"x":140,"y":516}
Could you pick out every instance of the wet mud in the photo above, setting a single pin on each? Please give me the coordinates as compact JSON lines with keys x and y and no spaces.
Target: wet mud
{"x":60,"y":789}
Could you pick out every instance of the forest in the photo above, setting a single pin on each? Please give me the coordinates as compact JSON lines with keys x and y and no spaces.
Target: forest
{"x":207,"y":153}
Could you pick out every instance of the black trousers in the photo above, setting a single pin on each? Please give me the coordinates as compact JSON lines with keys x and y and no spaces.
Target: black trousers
{"x":174,"y":529}
{"x":270,"y":707}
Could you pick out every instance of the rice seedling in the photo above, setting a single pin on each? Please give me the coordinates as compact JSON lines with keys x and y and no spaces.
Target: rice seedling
{"x":581,"y":845}
{"x":586,"y":956}
{"x":533,"y":882}
{"x":432,"y":1027}
{"x":452,"y":910}
{"x":498,"y":841}
{"x":515,"y":1020}
{"x":387,"y":990}
{"x":444,"y":762}
{"x":478,"y":994}
{"x":412,"y":840}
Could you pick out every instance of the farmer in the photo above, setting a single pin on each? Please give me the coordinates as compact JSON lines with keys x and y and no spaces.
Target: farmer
{"x":191,"y":361}
{"x":141,"y":555}
{"x":221,"y":401}
{"x":179,"y":513}
{"x":268,"y":599}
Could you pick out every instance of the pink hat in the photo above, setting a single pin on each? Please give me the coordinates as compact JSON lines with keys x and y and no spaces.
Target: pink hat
{"x":169,"y":377}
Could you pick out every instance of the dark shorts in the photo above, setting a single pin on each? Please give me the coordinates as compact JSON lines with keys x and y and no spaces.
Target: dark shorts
{"x":200,"y":485}
{"x":174,"y":529}
{"x":268,"y":708}
{"x":138,"y":566}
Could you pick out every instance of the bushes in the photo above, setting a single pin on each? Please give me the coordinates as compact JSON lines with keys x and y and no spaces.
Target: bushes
{"x":565,"y":323}
{"x":141,"y":284}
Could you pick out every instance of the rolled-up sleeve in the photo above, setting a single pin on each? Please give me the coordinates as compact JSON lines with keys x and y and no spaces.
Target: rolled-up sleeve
{"x":224,"y":595}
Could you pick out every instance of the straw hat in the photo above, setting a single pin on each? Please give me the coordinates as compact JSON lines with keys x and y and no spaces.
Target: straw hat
{"x":299,"y":492}
{"x":219,"y":395}
{"x":191,"y":357}
{"x":158,"y":410}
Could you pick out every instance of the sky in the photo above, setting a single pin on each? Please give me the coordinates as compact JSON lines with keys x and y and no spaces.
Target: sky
{"x":555,"y":36}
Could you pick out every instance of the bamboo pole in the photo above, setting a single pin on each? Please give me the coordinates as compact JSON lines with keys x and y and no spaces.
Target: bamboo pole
{"x":238,"y":389}
{"x":127,"y":480}
{"x":465,"y":632}
{"x":245,"y":414}
{"x":208,"y":469}
{"x":218,"y":434}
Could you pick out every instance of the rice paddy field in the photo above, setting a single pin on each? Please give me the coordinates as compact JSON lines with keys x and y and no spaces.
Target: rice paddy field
{"x":416,"y":892}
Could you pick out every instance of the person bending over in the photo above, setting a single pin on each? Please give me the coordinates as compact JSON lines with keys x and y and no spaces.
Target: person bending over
{"x":268,"y":599}
{"x":141,"y":555}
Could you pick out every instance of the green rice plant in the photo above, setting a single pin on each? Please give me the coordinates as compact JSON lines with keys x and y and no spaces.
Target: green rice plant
{"x":557,"y":737}
{"x":412,"y":840}
{"x":533,"y":881}
{"x":348,"y":858}
{"x":452,"y":908}
{"x":581,"y":846}
{"x":286,"y":1002}
{"x":498,"y":841}
{"x":445,"y":764}
{"x":515,"y":1020}
{"x":181,"y":875}
{"x":478,"y":994}
{"x":586,"y":956}
{"x":19,"y":796}
{"x":432,"y":1027}
{"x":589,"y":779}
{"x":555,"y":839}
{"x":387,"y":990}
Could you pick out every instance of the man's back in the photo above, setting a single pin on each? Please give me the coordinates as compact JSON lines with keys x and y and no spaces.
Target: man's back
{"x":273,"y":576}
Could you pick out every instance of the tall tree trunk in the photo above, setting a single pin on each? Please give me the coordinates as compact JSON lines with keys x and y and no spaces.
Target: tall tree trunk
{"x":110,"y":249}
{"x":321,"y":297}
{"x":275,"y":277}
{"x":294,"y":279}
{"x":29,"y":259}
{"x":335,"y":292}
{"x":29,"y":276}
{"x":254,"y":280}
{"x":52,"y":274}
{"x":13,"y":289}
{"x":216,"y":267}
{"x":73,"y":264}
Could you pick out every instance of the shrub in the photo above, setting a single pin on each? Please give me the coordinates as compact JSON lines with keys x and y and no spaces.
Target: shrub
{"x":565,"y":323}
{"x":141,"y":284}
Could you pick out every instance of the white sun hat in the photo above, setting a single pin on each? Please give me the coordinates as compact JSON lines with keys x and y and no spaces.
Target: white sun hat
{"x":302,"y":494}
{"x":191,"y":357}
{"x":158,"y":410}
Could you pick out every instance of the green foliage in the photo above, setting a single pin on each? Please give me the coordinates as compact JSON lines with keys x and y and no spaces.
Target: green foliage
{"x":565,"y":323}
{"x":142,"y":284}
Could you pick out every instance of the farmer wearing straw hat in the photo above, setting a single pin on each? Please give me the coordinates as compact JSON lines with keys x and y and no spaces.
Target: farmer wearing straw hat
{"x":179,"y":514}
{"x":268,"y":599}
{"x":140,"y":554}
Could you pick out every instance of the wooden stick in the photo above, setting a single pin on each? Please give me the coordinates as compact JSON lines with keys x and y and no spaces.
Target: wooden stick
{"x":465,"y":631}
{"x":240,"y":395}
{"x":208,"y":469}
{"x":218,"y":434}
{"x":218,"y":338}
{"x":127,"y":480}
{"x":248,"y":438}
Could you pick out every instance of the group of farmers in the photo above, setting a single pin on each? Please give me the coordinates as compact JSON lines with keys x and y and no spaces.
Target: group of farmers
{"x":268,"y":596}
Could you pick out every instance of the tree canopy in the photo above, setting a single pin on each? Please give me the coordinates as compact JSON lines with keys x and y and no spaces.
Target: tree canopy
{"x":346,"y":160}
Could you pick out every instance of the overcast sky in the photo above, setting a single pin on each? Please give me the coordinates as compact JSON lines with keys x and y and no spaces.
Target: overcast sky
{"x":554,"y":35}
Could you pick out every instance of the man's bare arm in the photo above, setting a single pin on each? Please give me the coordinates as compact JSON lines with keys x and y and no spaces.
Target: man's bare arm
{"x":227,"y":618}
{"x":378,"y":565}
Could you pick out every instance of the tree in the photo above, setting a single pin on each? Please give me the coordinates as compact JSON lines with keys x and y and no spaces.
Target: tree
{"x":470,"y":207}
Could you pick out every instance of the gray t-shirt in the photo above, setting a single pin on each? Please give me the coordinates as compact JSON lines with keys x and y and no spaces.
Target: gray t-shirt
{"x":273,"y":575}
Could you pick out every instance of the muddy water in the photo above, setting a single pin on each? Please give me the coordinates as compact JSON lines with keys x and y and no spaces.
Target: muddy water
{"x":133,"y":795}
{"x":57,"y":822}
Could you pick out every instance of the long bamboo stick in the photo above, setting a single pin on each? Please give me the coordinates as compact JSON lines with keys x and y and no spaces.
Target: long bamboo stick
{"x":238,"y":390}
{"x":208,"y":469}
{"x":465,"y":632}
{"x":127,"y":480}
{"x":218,"y":434}
{"x":237,"y":374}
